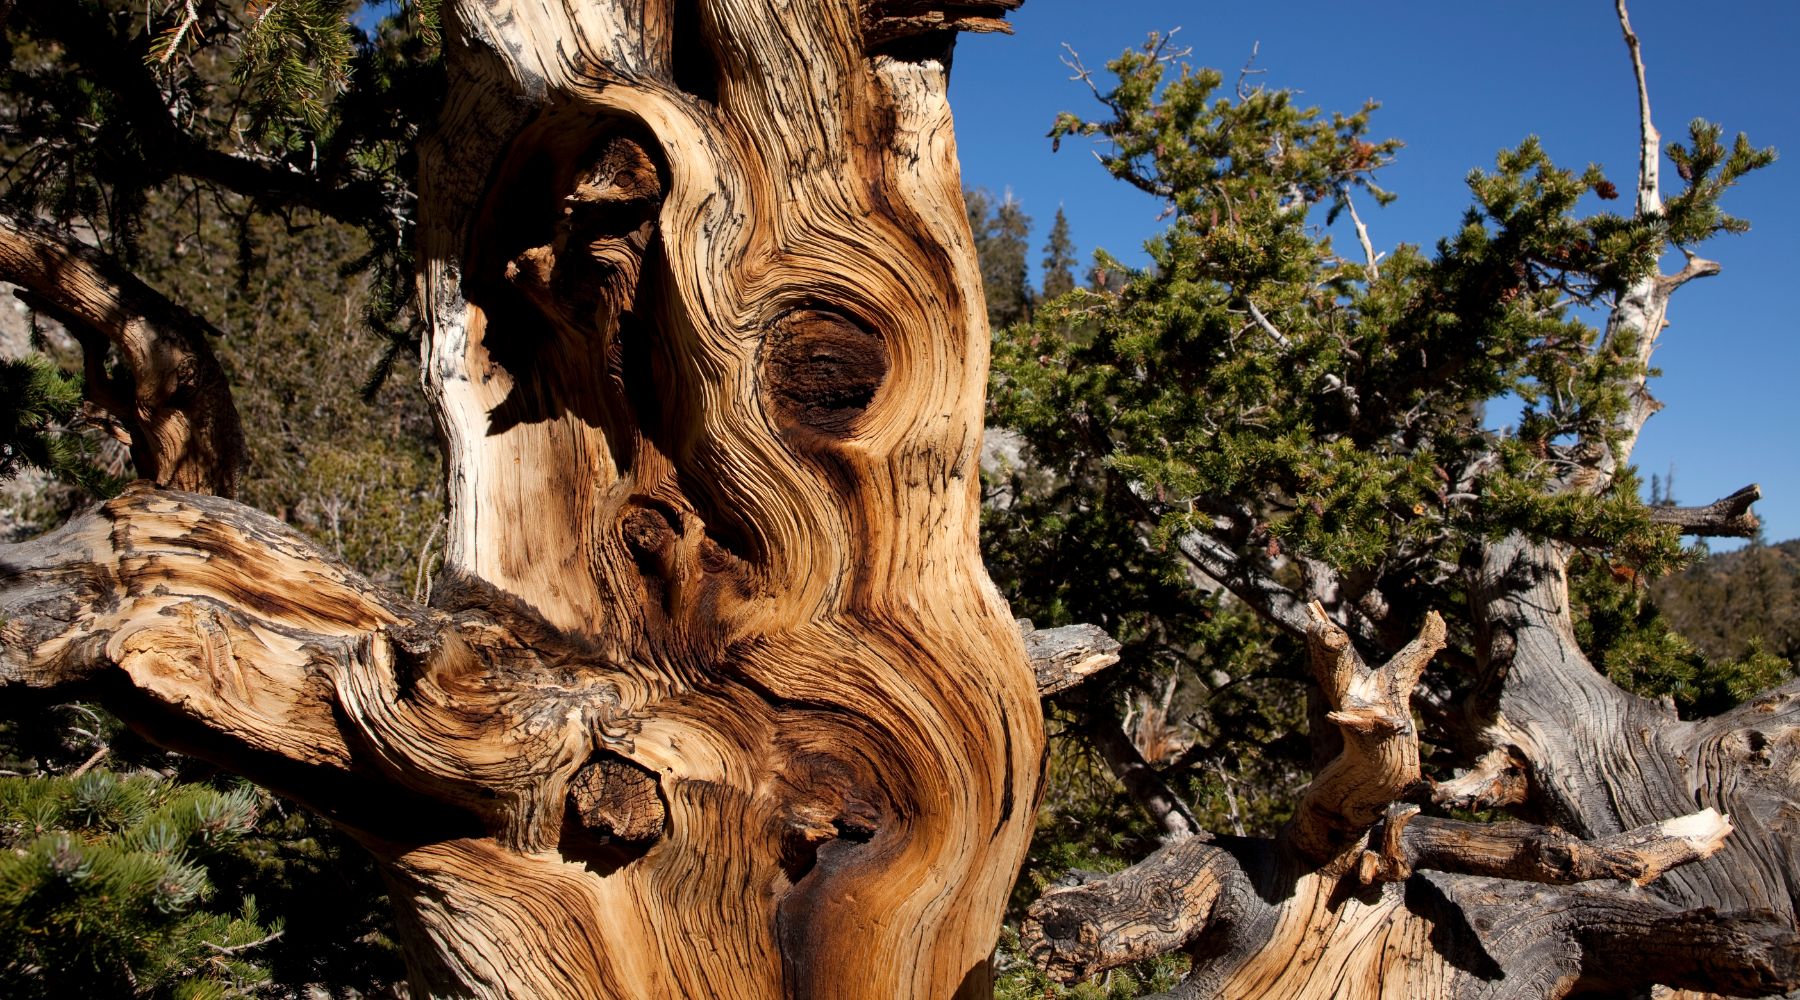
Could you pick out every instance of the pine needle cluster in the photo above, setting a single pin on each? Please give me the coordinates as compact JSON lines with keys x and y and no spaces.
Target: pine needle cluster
{"x":39,"y":403}
{"x":104,"y":889}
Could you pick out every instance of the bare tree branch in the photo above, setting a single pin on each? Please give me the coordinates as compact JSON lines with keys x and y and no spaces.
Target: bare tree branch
{"x":1649,"y":197}
{"x":1362,"y":236}
{"x":1267,"y":327}
{"x":1151,"y":908}
{"x":1142,"y":782}
{"x":1497,"y":779}
{"x":1380,"y":756}
{"x":1538,"y":895}
{"x":1527,"y":852}
{"x":1641,"y":312}
{"x":1728,"y":517}
{"x":1256,"y":589}
{"x":1064,"y":657}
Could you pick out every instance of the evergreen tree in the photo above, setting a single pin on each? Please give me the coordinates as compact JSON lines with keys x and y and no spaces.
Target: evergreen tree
{"x":1255,"y":421}
{"x":1059,"y":259}
{"x":1001,"y":232}
{"x":1255,"y":392}
{"x":280,"y":108}
{"x":1737,"y":605}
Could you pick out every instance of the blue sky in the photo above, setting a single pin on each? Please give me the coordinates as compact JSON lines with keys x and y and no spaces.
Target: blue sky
{"x":1458,"y":81}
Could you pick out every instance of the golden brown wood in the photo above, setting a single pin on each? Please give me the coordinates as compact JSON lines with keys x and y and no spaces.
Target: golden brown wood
{"x":1379,"y":759}
{"x":708,"y":351}
{"x":1064,"y":657}
{"x":714,"y":698}
{"x":617,"y":798}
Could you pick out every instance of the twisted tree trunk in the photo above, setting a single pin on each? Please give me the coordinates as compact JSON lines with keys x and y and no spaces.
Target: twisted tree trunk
{"x":714,"y":698}
{"x":1361,"y":897}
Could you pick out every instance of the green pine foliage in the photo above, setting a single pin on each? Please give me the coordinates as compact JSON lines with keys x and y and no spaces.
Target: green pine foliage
{"x":1738,"y":605}
{"x":253,"y":163}
{"x":256,"y":862}
{"x":1020,"y":980}
{"x":1751,"y":596}
{"x":1252,"y":376}
{"x":39,"y":404}
{"x":1313,"y":414}
{"x":1633,"y":641}
{"x":105,"y":889}
{"x":293,"y":59}
{"x":286,"y":105}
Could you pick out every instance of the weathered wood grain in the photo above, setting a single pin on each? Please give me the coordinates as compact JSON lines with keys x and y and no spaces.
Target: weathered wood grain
{"x":1362,"y":897}
{"x":715,"y":698}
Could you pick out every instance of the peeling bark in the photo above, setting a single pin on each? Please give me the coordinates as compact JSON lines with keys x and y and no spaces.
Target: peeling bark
{"x":1601,"y":761}
{"x":1064,"y":657}
{"x":1379,"y":756}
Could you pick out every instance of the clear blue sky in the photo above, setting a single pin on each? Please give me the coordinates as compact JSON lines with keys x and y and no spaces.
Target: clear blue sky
{"x":1458,"y":80}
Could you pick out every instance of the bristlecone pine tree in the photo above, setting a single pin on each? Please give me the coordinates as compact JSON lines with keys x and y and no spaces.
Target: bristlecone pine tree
{"x":1306,"y":430}
{"x":713,"y":697}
